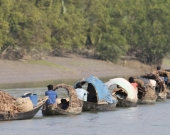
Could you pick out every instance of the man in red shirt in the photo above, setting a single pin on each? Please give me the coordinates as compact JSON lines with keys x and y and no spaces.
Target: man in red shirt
{"x":132,"y":81}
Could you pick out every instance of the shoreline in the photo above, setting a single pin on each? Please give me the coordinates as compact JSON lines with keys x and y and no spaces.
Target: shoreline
{"x":64,"y":68}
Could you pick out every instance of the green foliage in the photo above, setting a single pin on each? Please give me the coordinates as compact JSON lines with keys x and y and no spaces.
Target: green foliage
{"x":28,"y":26}
{"x":5,"y":9}
{"x":112,"y":46}
{"x":109,"y":27}
{"x":149,"y":30}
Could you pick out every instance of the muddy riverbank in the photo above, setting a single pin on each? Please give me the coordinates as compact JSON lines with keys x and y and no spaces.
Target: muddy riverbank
{"x":59,"y":68}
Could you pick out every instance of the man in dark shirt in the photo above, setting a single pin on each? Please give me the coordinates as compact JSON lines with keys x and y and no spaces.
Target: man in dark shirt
{"x":52,"y":95}
{"x":64,"y":103}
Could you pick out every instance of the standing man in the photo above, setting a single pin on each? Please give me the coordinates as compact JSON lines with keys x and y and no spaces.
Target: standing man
{"x":52,"y":95}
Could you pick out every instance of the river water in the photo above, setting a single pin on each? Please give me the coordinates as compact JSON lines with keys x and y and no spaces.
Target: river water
{"x":140,"y":120}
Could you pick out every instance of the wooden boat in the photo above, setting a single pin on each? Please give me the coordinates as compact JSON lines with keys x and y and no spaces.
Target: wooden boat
{"x":168,"y":95}
{"x":160,"y":88}
{"x":99,"y":106}
{"x":146,"y":95}
{"x":6,"y":116}
{"x":126,"y":94}
{"x":168,"y":91}
{"x":99,"y":97}
{"x":74,"y":107}
{"x":166,"y":73}
{"x":146,"y":91}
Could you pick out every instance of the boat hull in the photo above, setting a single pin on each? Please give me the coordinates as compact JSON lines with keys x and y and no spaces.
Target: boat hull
{"x":168,"y":95}
{"x":52,"y":110}
{"x":148,"y":97}
{"x":161,"y":96}
{"x":90,"y":106}
{"x":146,"y":101}
{"x":126,"y":103}
{"x":5,"y":116}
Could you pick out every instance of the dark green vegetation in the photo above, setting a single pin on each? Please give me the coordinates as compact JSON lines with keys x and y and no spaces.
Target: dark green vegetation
{"x":104,"y":29}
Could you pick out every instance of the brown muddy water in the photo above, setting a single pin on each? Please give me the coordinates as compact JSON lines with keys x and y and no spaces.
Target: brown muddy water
{"x":140,"y":120}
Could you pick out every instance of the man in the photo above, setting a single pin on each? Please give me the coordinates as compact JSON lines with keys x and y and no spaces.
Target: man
{"x":64,"y":103}
{"x":132,"y":81}
{"x":165,"y":78}
{"x":153,"y":83}
{"x":81,"y":93}
{"x":52,"y":95}
{"x":158,"y":67}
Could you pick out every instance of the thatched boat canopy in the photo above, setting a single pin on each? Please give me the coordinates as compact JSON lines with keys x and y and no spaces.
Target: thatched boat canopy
{"x":97,"y":90}
{"x":155,"y":76}
{"x":74,"y":102}
{"x":163,"y":73}
{"x":123,"y":83}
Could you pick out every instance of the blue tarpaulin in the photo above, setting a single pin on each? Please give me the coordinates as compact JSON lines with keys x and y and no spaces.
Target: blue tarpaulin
{"x":102,"y":91}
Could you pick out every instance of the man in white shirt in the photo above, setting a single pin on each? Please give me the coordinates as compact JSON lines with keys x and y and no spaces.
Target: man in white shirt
{"x":81,"y":93}
{"x":153,"y":82}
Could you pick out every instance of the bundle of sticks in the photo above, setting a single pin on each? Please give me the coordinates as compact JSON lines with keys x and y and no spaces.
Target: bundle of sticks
{"x":7,"y":103}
